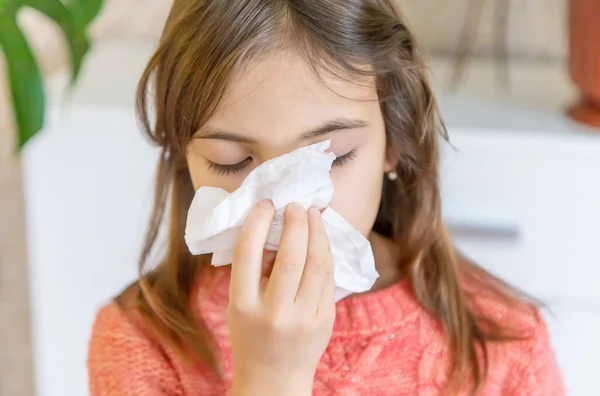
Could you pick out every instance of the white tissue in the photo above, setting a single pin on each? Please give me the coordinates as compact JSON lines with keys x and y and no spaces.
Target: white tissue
{"x":215,"y":216}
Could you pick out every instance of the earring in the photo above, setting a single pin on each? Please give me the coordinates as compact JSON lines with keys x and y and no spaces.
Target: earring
{"x":392,"y":176}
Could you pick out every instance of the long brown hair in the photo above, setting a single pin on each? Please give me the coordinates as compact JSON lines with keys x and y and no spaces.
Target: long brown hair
{"x":203,"y":44}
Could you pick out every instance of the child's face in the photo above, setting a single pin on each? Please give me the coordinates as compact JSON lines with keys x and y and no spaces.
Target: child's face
{"x":272,"y":107}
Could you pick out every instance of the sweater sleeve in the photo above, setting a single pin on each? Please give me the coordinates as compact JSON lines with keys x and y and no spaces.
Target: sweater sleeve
{"x":123,"y":361}
{"x":540,"y":374}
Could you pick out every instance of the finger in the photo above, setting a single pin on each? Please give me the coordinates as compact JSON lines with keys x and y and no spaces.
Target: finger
{"x":326,"y":308}
{"x":318,"y":263}
{"x":268,"y":260}
{"x":246,"y":269}
{"x":290,"y":259}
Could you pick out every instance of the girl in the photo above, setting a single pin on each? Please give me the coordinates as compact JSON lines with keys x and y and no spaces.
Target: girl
{"x":236,"y":83}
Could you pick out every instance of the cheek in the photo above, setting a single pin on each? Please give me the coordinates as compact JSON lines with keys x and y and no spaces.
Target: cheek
{"x":358,"y":193}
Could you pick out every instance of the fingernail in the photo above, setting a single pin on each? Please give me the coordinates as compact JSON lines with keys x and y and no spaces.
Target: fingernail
{"x":265,"y":204}
{"x":314,"y":212}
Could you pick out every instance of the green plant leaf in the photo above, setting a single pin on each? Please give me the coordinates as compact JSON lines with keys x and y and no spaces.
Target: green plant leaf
{"x":26,"y":83}
{"x":85,"y":10}
{"x":73,"y":30}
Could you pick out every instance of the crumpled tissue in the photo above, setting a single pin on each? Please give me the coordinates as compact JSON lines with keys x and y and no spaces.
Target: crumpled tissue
{"x":215,"y":216}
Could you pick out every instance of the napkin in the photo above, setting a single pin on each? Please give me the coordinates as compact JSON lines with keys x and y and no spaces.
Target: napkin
{"x":215,"y":216}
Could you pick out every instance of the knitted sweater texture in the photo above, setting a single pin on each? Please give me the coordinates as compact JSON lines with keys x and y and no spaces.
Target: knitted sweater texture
{"x":384,"y":343}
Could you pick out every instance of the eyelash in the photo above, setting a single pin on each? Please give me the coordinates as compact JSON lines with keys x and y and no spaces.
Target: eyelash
{"x":225,"y":170}
{"x":344,"y":159}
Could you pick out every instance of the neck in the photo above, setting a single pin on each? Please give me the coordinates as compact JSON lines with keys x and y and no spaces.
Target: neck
{"x":386,"y":261}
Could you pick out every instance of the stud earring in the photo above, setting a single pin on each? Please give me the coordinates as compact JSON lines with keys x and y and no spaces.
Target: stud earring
{"x":392,"y":176}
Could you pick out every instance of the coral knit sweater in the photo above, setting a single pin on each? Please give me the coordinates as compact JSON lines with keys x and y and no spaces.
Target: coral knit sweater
{"x":384,"y":343}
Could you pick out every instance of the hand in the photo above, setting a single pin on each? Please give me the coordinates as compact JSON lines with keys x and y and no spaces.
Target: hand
{"x":280,"y":325}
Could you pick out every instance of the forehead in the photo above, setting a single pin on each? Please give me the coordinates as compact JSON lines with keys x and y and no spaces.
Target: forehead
{"x":282,"y":93}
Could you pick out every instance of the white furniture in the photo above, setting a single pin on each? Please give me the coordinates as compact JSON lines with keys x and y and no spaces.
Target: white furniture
{"x":522,"y":192}
{"x":527,"y":208}
{"x":523,"y":199}
{"x":88,"y":186}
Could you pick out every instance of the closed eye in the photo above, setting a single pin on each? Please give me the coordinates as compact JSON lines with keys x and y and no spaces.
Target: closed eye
{"x":344,"y":159}
{"x":225,"y":170}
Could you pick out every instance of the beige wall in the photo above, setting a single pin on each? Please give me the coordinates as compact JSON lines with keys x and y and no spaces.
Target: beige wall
{"x":537,"y":28}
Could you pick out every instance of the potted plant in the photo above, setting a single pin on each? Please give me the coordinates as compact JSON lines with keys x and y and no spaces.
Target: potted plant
{"x":584,"y":59}
{"x":25,"y":80}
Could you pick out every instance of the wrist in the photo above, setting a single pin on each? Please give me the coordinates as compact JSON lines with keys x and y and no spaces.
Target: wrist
{"x":271,"y":381}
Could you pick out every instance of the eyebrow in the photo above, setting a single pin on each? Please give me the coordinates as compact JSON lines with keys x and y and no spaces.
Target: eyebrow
{"x":338,"y":124}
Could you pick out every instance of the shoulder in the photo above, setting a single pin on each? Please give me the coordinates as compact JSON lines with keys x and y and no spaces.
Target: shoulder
{"x":525,"y":347}
{"x":127,"y":356}
{"x":496,"y":303}
{"x":120,"y":319}
{"x":123,"y":357}
{"x":113,"y":322}
{"x":532,"y":365}
{"x":502,"y":310}
{"x":119,"y":336}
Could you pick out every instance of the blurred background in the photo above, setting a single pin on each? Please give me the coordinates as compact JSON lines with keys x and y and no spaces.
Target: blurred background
{"x":521,"y":181}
